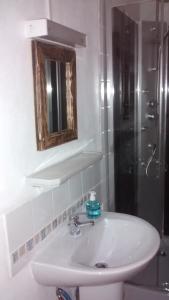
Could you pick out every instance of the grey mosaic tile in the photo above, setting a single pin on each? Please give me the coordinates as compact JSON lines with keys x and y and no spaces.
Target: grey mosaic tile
{"x":48,"y":229}
{"x":22,"y":251}
{"x":36,"y":239}
{"x":29,"y":244}
{"x":54,"y":224}
{"x":60,"y":219}
{"x":43,"y":234}
{"x":15,"y":257}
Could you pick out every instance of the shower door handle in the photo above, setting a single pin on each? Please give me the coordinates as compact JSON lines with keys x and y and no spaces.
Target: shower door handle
{"x":151,"y":159}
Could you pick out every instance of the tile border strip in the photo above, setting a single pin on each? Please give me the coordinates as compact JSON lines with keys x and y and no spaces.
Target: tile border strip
{"x":30,"y":245}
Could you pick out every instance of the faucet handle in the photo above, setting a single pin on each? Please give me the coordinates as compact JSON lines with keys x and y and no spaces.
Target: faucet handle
{"x":77,"y":216}
{"x":74,"y":218}
{"x":74,"y":228}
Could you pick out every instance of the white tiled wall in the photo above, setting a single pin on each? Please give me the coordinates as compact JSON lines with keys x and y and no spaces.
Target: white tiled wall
{"x":19,"y":156}
{"x":109,"y":102}
{"x":19,"y":225}
{"x":42,"y":211}
{"x":75,"y":184}
{"x":91,"y":177}
{"x":61,"y":198}
{"x":106,"y":111}
{"x":32,"y":222}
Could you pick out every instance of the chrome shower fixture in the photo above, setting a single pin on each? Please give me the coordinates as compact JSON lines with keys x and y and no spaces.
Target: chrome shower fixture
{"x":153,"y":29}
{"x":145,"y":92}
{"x":150,"y":146}
{"x":151,"y":103}
{"x":144,"y":128}
{"x":151,"y":158}
{"x":150,"y":116}
{"x":153,"y":69}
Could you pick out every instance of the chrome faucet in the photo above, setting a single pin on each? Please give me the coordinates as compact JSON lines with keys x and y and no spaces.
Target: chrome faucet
{"x":75,"y":224}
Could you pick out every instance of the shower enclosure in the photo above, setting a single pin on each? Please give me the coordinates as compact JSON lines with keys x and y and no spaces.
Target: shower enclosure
{"x":140,"y":43}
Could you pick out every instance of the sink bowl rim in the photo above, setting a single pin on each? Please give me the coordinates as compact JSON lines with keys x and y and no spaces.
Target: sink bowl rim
{"x":80,"y":270}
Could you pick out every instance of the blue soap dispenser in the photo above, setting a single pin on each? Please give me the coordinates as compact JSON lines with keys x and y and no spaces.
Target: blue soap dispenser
{"x":93,"y":207}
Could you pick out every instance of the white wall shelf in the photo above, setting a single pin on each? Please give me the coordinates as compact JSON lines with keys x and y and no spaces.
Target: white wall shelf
{"x":52,"y":31}
{"x":54,"y":176}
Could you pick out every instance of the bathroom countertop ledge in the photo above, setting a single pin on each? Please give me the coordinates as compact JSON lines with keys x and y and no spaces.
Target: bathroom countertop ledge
{"x":55,"y":175}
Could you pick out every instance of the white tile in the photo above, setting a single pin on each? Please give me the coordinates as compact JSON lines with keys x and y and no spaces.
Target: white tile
{"x":76,"y":187}
{"x":42,"y":211}
{"x":110,"y":118}
{"x":111,"y":181}
{"x":102,"y":93}
{"x":111,"y":203}
{"x":4,"y":254}
{"x":61,"y":198}
{"x":110,"y":141}
{"x":104,"y":119}
{"x":111,"y":184}
{"x":111,"y":164}
{"x":19,"y":225}
{"x":91,"y":177}
{"x":104,"y":195}
{"x":103,"y":166}
{"x":102,"y":46}
{"x":101,"y":13}
{"x":104,"y":138}
{"x":102,"y":72}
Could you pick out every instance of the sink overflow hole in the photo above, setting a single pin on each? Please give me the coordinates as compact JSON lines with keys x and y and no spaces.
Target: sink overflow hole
{"x":101,"y":265}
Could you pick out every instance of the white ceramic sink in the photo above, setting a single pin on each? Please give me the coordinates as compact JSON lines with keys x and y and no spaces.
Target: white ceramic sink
{"x":124,"y":243}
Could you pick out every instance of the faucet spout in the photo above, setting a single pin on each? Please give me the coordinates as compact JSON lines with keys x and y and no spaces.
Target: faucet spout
{"x":85,"y":223}
{"x":75,"y":224}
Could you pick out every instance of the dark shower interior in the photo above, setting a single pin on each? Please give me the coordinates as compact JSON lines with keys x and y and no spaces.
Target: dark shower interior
{"x":123,"y":41}
{"x":138,"y":189}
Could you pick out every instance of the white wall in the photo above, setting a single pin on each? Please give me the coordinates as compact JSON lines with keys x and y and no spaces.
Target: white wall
{"x":18,"y":154}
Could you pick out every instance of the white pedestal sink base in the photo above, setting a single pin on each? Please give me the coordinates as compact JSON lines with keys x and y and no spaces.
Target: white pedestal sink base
{"x":103,"y":292}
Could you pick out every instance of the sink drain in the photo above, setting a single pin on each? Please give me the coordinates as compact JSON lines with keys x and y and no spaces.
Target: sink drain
{"x":101,"y":265}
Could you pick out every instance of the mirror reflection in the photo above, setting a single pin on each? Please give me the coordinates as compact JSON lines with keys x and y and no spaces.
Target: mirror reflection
{"x":57,"y":82}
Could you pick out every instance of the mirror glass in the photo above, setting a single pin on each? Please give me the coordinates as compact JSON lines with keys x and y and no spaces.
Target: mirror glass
{"x":58,"y":78}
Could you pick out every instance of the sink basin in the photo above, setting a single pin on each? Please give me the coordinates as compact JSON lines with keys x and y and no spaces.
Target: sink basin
{"x":111,"y":251}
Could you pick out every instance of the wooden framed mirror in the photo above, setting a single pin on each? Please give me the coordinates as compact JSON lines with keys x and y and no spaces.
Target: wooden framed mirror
{"x":54,"y":69}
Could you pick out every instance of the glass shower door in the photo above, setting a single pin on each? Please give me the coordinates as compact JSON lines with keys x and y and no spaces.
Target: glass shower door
{"x":125,"y":71}
{"x":138,"y":131}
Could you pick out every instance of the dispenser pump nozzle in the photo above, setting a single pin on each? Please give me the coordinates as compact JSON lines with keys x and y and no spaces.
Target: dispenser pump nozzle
{"x":92,"y":196}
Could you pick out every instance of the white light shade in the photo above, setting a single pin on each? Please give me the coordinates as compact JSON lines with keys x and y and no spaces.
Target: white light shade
{"x":52,"y":31}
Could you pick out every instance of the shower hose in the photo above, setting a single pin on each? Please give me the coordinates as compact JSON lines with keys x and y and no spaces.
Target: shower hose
{"x":62,"y":294}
